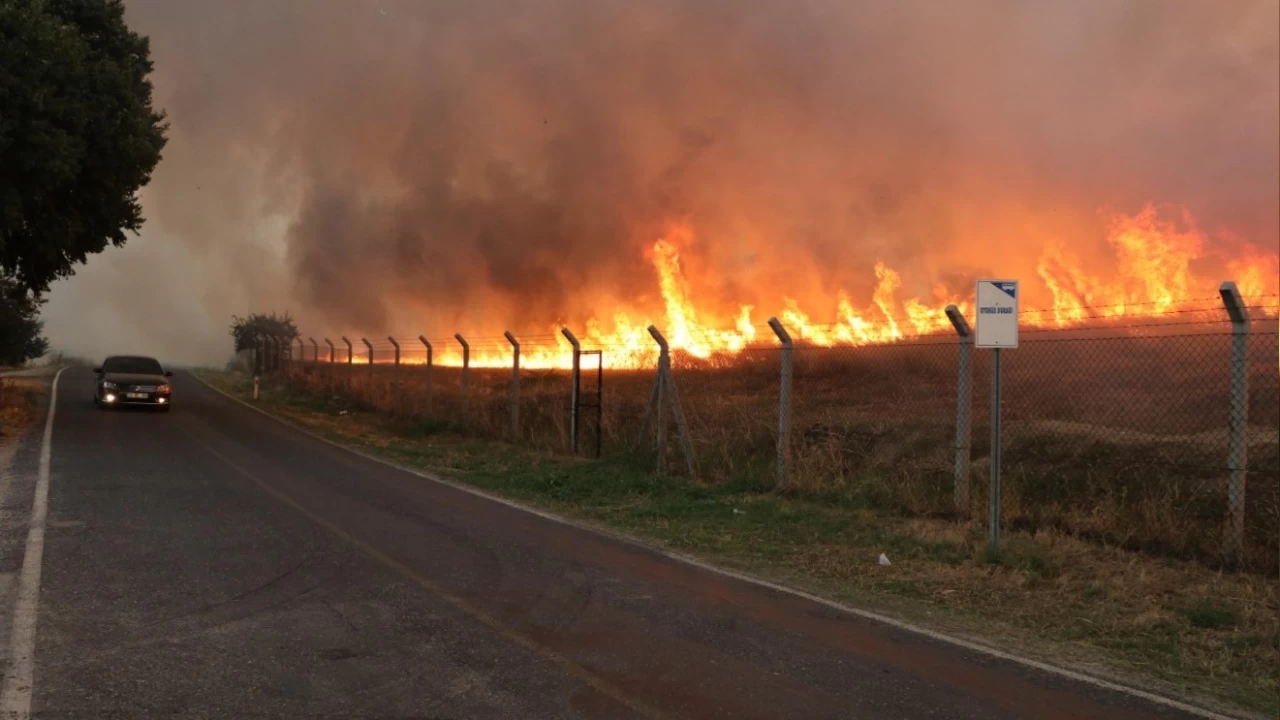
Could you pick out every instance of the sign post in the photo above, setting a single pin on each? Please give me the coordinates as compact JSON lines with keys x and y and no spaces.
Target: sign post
{"x":996,"y":329}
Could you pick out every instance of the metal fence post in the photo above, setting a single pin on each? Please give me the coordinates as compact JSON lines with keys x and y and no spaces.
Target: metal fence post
{"x":667,"y":384}
{"x":466,"y":366}
{"x":515,"y":385}
{"x":664,"y":359}
{"x":395,"y":380}
{"x":993,"y":507}
{"x":429,"y":359}
{"x":369,"y":346}
{"x":784,"y":401}
{"x":574,"y":393}
{"x":1238,"y":425}
{"x":963,"y":416}
{"x":351,"y":361}
{"x":329,"y":371}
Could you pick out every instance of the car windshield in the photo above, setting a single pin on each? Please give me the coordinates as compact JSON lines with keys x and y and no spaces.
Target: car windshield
{"x":135,"y":365}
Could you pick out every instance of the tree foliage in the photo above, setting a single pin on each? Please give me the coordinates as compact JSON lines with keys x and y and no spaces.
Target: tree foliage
{"x":78,"y":134}
{"x":247,"y":330}
{"x":20,"y":323}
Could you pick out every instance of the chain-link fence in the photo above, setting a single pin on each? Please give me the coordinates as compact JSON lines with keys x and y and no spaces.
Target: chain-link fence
{"x":1159,"y":433}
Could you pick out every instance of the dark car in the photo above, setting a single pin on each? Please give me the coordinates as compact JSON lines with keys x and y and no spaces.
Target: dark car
{"x":132,"y":380}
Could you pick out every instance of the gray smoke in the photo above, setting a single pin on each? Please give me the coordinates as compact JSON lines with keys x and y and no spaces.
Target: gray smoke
{"x":399,"y":166}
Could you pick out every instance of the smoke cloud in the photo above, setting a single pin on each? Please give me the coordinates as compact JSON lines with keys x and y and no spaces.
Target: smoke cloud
{"x":386,"y":166}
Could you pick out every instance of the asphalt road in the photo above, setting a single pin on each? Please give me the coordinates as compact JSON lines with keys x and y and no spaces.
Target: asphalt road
{"x":213,"y":563}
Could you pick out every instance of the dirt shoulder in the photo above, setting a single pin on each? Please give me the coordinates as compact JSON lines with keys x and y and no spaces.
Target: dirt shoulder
{"x":1173,"y":626}
{"x":20,"y":395}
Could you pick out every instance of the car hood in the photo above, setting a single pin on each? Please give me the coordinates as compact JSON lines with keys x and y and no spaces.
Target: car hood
{"x":135,"y":378}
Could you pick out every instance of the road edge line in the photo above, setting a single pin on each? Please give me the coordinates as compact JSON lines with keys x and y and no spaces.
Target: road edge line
{"x":19,"y":679}
{"x":938,"y":636}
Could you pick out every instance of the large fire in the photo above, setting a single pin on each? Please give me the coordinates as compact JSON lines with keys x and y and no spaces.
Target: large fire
{"x":1151,"y":274}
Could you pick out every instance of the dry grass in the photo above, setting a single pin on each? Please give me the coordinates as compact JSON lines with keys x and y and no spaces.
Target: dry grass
{"x":1118,"y":440}
{"x":19,"y":401}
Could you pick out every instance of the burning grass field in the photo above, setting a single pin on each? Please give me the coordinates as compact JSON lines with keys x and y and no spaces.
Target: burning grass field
{"x":1112,"y":438}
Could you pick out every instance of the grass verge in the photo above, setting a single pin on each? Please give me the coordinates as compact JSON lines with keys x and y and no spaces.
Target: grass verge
{"x":19,"y":401}
{"x":1175,"y":625}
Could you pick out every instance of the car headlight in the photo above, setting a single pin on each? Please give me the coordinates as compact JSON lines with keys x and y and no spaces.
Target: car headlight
{"x":108,"y":385}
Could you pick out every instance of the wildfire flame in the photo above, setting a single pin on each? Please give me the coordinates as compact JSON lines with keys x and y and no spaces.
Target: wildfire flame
{"x":1153,"y":273}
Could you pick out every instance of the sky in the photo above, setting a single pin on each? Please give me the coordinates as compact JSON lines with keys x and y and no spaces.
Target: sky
{"x":395,"y":167}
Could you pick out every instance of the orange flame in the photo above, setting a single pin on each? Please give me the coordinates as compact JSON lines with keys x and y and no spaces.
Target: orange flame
{"x":1153,"y":261}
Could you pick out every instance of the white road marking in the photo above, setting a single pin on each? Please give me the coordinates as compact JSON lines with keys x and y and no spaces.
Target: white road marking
{"x":941,"y":637}
{"x":15,"y":698}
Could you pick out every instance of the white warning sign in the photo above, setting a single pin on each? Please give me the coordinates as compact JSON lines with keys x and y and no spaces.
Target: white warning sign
{"x":997,"y":319}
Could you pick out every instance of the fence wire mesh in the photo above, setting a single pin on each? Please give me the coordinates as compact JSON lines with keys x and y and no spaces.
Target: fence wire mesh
{"x":1116,"y":431}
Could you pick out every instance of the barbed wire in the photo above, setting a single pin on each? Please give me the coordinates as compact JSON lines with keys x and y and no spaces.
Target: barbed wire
{"x":727,"y":339}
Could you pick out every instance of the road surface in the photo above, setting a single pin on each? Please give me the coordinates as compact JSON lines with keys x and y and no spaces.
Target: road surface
{"x":214,"y":563}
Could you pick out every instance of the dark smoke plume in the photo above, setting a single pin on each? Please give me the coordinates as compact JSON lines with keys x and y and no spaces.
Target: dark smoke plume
{"x":396,"y":166}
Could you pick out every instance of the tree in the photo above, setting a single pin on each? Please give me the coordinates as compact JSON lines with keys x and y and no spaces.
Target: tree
{"x":78,"y":135}
{"x":246,"y":331}
{"x":20,"y":323}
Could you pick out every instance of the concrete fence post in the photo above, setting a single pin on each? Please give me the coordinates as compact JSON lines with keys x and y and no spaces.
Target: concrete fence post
{"x":395,"y":379}
{"x":427,"y":399}
{"x":574,"y":393}
{"x":351,"y":361}
{"x":784,"y":401}
{"x":1238,"y":424}
{"x":964,"y":419}
{"x":369,"y":347}
{"x":466,"y":366}
{"x":329,"y":342}
{"x":257,"y":356}
{"x":315,"y":351}
{"x":302,"y":353}
{"x":515,"y":385}
{"x":275,"y":354}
